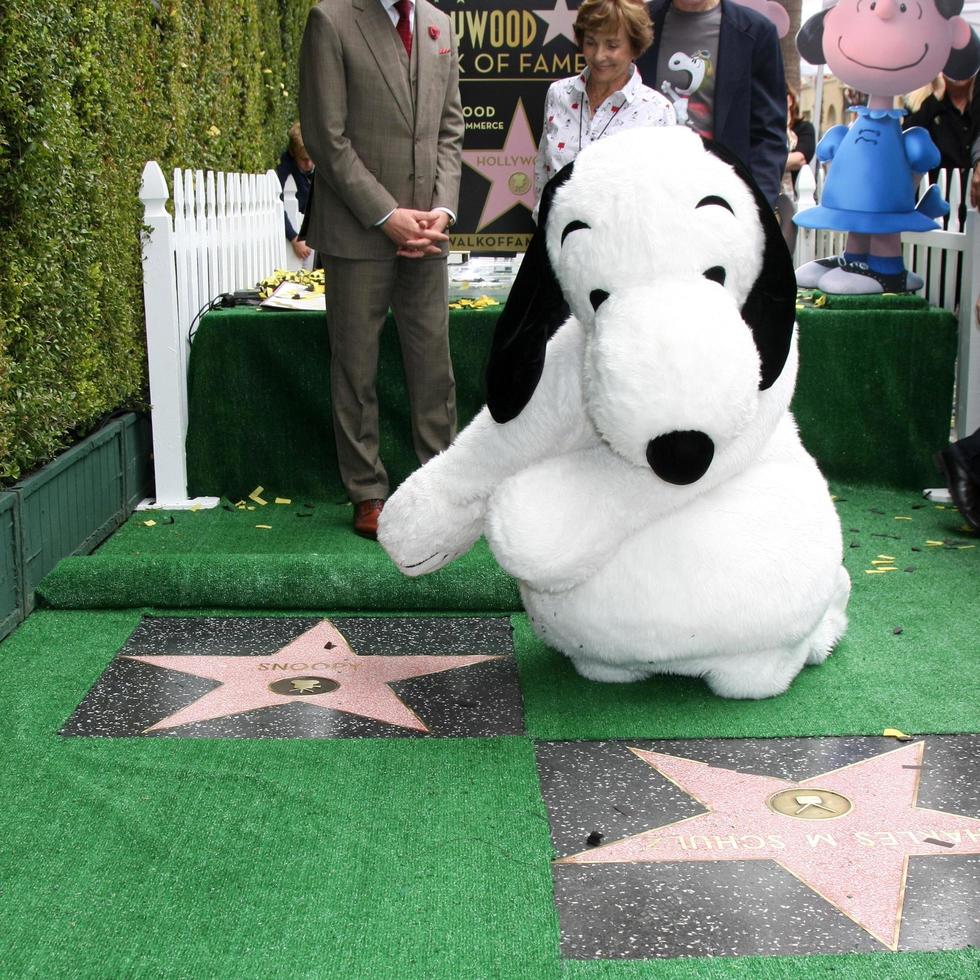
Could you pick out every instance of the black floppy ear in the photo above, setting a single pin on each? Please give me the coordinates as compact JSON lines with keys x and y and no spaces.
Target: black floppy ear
{"x":534,"y":310}
{"x":770,"y":308}
{"x":809,"y":40}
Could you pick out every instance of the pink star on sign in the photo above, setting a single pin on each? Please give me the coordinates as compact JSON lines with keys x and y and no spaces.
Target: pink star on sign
{"x":855,"y":858}
{"x":321,"y":652}
{"x":515,"y":159}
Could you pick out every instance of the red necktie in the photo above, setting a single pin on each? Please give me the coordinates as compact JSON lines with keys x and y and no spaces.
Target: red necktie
{"x":404,"y":25}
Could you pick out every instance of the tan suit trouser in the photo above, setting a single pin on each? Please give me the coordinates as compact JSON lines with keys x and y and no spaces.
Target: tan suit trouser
{"x":359,"y":293}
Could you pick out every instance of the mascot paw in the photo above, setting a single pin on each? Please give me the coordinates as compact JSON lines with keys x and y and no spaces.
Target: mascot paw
{"x":423,"y":531}
{"x":756,"y":675}
{"x":597,"y":670}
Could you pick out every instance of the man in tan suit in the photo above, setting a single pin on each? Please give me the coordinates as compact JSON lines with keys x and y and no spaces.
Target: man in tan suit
{"x":383,"y":122}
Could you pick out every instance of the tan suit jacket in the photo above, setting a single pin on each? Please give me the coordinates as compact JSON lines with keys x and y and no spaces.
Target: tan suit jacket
{"x":382,"y":132}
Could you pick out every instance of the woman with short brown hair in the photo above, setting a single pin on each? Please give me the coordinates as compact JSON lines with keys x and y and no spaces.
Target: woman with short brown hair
{"x":608,"y":95}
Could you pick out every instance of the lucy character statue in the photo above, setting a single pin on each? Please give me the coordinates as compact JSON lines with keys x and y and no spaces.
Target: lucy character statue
{"x":885,"y":48}
{"x":637,"y":468}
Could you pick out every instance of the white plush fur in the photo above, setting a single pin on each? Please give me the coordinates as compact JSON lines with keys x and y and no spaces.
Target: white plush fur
{"x":736,"y":577}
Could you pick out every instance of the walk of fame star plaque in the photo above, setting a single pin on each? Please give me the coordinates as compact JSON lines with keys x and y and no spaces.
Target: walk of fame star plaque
{"x":755,"y":847}
{"x":264,"y":677}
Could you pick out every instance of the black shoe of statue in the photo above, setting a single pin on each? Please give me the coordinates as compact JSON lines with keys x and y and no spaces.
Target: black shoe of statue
{"x":962,"y":487}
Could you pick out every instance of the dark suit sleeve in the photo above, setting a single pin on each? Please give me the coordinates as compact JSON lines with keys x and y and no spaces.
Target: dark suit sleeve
{"x":767,"y":121}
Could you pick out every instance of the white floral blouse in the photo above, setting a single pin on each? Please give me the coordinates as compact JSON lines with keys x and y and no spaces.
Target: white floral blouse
{"x":570,"y":122}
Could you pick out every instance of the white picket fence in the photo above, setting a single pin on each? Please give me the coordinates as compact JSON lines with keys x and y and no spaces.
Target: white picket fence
{"x":948,"y":259}
{"x":226,"y":233}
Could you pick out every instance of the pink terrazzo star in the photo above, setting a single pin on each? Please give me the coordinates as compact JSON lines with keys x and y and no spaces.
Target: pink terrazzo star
{"x":514,"y":160}
{"x":857,"y":860}
{"x":321,"y":652}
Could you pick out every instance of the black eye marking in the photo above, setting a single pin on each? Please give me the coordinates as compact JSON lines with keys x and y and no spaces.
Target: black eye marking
{"x":597,"y":297}
{"x":573,"y":226}
{"x":716,"y":274}
{"x":714,"y":199}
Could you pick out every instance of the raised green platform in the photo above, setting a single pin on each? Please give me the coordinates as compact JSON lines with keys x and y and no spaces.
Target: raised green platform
{"x":873,"y":400}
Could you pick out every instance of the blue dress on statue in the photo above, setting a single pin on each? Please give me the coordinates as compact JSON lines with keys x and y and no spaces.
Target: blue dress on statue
{"x":870,"y":185}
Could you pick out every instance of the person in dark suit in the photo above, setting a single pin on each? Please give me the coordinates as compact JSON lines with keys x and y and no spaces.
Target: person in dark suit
{"x":721,"y":65}
{"x":383,"y":122}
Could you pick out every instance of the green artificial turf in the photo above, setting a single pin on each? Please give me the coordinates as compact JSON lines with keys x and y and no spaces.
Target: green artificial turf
{"x":404,"y":859}
{"x":307,"y":558}
{"x":375,"y":858}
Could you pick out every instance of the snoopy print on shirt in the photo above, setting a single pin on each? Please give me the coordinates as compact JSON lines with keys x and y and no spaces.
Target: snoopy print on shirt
{"x":686,"y":66}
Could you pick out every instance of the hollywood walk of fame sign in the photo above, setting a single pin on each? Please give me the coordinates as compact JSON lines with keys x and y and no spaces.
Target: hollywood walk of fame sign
{"x":509,"y":53}
{"x":741,"y":856}
{"x":300,"y":678}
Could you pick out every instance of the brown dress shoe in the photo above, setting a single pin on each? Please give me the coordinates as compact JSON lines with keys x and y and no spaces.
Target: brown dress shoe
{"x":366,"y":515}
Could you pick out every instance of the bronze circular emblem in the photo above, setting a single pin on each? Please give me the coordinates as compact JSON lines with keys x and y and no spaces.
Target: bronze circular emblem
{"x":519,"y":183}
{"x":809,"y":804}
{"x":297,"y":687}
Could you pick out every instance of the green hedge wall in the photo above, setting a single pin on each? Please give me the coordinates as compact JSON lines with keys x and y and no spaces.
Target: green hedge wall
{"x":89,"y":91}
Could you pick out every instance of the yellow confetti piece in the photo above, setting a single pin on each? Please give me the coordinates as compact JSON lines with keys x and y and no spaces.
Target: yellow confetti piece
{"x":882,"y":560}
{"x":256,"y":495}
{"x":940,"y":506}
{"x":820,"y":301}
{"x":265,"y":527}
{"x":895,"y":733}
{"x":903,"y":518}
{"x":965,"y":547}
{"x":282,"y":500}
{"x":149,"y":523}
{"x":887,"y":568}
{"x":195,"y":508}
{"x":935,"y":544}
{"x":874,"y":571}
{"x":250,"y":508}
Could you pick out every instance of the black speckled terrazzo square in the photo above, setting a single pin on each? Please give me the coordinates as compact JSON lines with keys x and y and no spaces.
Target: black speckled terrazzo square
{"x":764,"y":847}
{"x":349,"y":677}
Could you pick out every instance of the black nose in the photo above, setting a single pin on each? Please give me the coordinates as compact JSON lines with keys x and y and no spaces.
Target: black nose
{"x":680,"y":457}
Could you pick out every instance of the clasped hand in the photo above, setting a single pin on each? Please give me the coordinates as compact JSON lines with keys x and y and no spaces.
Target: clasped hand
{"x":417,"y":233}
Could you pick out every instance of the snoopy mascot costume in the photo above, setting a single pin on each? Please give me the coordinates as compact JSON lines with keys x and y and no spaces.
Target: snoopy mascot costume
{"x":637,"y":468}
